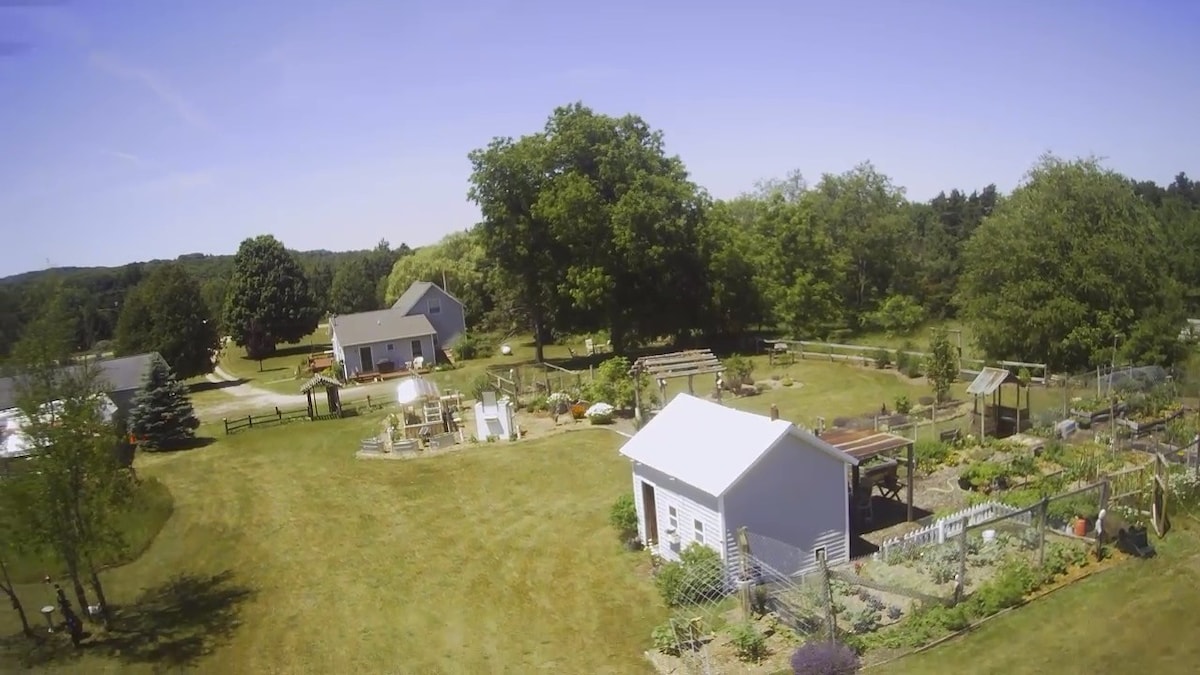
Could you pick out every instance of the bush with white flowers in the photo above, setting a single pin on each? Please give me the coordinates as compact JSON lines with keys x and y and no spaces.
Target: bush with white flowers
{"x":600,"y":413}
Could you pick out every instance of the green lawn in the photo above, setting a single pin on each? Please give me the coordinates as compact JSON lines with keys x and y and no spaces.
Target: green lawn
{"x":286,"y":554}
{"x":278,"y":372}
{"x":1137,"y":618}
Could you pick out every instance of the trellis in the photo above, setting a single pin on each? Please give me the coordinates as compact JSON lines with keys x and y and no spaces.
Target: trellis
{"x":664,"y":367}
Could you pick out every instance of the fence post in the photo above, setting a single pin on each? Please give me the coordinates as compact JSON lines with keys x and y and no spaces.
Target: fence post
{"x":1104,"y":489}
{"x":225,"y":421}
{"x":744,"y":583}
{"x":250,"y":420}
{"x":368,"y":401}
{"x":278,"y":414}
{"x":827,"y":596}
{"x":960,"y":579}
{"x":1043,"y":517}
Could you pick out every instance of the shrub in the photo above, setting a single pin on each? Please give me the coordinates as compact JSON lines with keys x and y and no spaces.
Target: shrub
{"x":613,"y":383}
{"x":738,"y":371}
{"x":697,"y":576}
{"x":825,"y":658}
{"x":930,"y":455}
{"x":894,"y":612}
{"x":903,"y":405}
{"x":748,"y":643}
{"x":786,"y":382}
{"x":540,"y":403}
{"x":984,"y":476}
{"x":623,"y":516}
{"x":600,"y":413}
{"x":468,"y":347}
{"x":670,"y":635}
{"x":883,"y":358}
{"x":865,"y":620}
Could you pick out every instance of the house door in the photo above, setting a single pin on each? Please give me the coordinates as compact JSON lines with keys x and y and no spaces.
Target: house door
{"x":367,"y":363}
{"x":649,"y":512}
{"x":417,"y":352}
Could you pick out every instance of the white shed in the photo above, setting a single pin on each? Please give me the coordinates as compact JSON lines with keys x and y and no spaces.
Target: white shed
{"x":702,"y":470}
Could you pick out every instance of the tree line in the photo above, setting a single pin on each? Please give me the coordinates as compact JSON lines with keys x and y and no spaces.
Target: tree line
{"x":178,"y":307}
{"x":590,"y":226}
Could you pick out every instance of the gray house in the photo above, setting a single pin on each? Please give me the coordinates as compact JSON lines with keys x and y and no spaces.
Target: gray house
{"x":382,"y":341}
{"x":120,"y":378}
{"x":444,"y":311}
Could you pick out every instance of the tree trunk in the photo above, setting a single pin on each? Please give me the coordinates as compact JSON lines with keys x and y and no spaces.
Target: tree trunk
{"x":105,"y":616}
{"x":539,"y":344}
{"x":616,"y":334}
{"x":77,"y":585}
{"x":16,"y":602}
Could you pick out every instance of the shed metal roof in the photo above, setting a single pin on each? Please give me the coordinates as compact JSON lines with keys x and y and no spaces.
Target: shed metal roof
{"x":379,"y":326}
{"x":115,"y":375}
{"x":864,"y":445}
{"x":710,"y":446}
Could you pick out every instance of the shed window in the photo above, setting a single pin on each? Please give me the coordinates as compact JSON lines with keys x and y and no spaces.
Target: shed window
{"x":435,"y":306}
{"x":672,"y":518}
{"x":699,"y":531}
{"x":819,"y":554}
{"x":391,"y":347}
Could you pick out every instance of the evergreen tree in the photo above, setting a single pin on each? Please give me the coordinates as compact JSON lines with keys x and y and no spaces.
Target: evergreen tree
{"x":162,"y":416}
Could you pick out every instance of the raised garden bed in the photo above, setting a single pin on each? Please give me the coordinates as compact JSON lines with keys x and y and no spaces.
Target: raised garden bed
{"x":1086,"y":419}
{"x":1144,"y":426}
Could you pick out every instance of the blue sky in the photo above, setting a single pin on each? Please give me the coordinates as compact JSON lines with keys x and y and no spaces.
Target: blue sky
{"x":140,"y":129}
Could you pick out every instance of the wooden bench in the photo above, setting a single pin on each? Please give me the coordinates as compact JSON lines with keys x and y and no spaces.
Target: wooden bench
{"x":950,"y":436}
{"x":442,"y":441}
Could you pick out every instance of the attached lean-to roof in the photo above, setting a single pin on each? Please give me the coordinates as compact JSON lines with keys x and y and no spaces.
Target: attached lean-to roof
{"x":116,"y":375}
{"x":409,"y":299}
{"x":379,"y":326}
{"x":710,"y":446}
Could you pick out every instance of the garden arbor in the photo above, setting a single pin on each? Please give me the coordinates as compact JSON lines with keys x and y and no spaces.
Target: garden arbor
{"x":687,"y":364}
{"x":877,"y":468}
{"x":996,"y":419}
{"x":331,"y":394}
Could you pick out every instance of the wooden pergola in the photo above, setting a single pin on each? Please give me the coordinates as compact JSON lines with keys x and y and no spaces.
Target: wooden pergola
{"x":867,"y":445}
{"x":687,"y":364}
{"x":332,"y":396}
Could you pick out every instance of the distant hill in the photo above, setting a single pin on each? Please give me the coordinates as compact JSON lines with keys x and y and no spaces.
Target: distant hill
{"x":190,"y":260}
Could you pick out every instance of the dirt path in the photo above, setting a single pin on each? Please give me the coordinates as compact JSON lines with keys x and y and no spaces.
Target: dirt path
{"x":244,"y":396}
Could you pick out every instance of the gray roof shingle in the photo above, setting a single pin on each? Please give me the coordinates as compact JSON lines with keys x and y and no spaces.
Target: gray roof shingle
{"x":411,"y":297}
{"x":124,"y":374}
{"x":379,"y":326}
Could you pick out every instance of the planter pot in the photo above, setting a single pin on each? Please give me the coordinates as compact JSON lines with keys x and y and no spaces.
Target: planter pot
{"x":1081,"y":527}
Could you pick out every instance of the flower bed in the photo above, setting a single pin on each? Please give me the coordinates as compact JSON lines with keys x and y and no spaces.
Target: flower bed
{"x":1144,"y":424}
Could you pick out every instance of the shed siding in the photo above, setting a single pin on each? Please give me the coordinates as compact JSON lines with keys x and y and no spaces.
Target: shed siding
{"x":796,"y":496}
{"x":450,"y":323}
{"x":690,"y":505}
{"x":400,"y":354}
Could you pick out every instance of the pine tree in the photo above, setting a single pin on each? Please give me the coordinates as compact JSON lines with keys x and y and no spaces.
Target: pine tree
{"x":162,"y":416}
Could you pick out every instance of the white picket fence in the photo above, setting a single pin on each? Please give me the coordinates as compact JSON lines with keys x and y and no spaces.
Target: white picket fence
{"x":948,"y":527}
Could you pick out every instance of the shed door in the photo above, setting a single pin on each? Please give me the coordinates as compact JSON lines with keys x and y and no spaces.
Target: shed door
{"x":649,"y":512}
{"x":365,"y":359}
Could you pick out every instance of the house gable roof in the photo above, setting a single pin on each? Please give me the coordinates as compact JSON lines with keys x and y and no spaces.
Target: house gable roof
{"x":710,"y":446}
{"x":116,"y":375}
{"x":409,"y":299}
{"x":379,"y":326}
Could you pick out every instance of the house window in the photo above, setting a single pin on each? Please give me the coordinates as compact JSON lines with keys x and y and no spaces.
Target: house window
{"x":435,"y":306}
{"x":391,"y":347}
{"x":416,"y":349}
{"x":819,"y":554}
{"x":672,"y":518}
{"x":699,"y":531}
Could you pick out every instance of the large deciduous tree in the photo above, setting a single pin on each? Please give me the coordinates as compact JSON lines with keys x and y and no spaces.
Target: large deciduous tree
{"x":1067,"y":266}
{"x":507,"y":179}
{"x":166,"y":313}
{"x":268,"y":300}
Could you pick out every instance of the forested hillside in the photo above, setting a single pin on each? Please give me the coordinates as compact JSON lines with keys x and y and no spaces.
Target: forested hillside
{"x":589,"y":226}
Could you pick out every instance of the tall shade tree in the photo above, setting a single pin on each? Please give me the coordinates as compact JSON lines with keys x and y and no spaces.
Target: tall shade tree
{"x":458,"y":261}
{"x":268,"y":300}
{"x":354,"y":287}
{"x":166,"y":313}
{"x":506,"y":181}
{"x":630,"y":222}
{"x":1067,"y":267}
